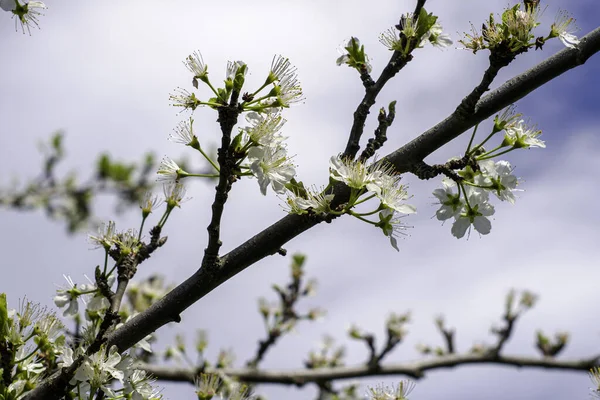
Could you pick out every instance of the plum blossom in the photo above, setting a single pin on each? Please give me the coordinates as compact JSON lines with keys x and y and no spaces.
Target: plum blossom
{"x":520,"y":135}
{"x":271,"y":166}
{"x":264,"y":128}
{"x":392,"y":195}
{"x":451,"y":203}
{"x":391,"y":225}
{"x":399,"y":392}
{"x":560,"y":28}
{"x":196,"y":65}
{"x":475,"y":214}
{"x":500,"y":178}
{"x":68,"y":297}
{"x":355,"y":174}
{"x":26,"y":13}
{"x":99,"y":369}
{"x":436,"y":37}
{"x":317,"y":202}
{"x":169,"y":171}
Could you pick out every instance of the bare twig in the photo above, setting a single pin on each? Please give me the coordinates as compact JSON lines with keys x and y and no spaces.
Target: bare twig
{"x":227,"y":119}
{"x":415,"y":370}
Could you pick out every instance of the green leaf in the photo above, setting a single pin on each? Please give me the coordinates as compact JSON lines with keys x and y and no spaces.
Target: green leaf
{"x":297,"y":188}
{"x":103,"y":166}
{"x":426,"y":21}
{"x":299,"y":259}
{"x":4,"y":321}
{"x":121,"y":172}
{"x":236,"y":143}
{"x":56,"y":142}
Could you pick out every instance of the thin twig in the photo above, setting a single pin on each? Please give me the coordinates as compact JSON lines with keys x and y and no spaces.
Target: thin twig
{"x":415,"y":370}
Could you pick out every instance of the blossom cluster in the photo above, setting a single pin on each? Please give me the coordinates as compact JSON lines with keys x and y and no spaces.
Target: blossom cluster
{"x":399,"y":392}
{"x":467,"y":200}
{"x":413,"y":32}
{"x":377,"y":180}
{"x":284,"y":92}
{"x":30,"y":339}
{"x":33,"y":343}
{"x":107,"y":371}
{"x":210,"y":385}
{"x":514,"y":30}
{"x":99,"y":371}
{"x":259,"y":148}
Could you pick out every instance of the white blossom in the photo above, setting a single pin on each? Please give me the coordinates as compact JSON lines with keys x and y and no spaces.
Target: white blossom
{"x":195,"y":64}
{"x":392,"y":195}
{"x":168,"y":170}
{"x":49,"y":328}
{"x":149,"y":202}
{"x":68,"y":297}
{"x":26,"y":13}
{"x":281,"y":69}
{"x":174,"y":193}
{"x":288,"y":91}
{"x":560,"y":28}
{"x":207,"y":385}
{"x":475,"y":215}
{"x":264,"y":128}
{"x":30,"y":365}
{"x":106,"y":235}
{"x":398,"y":392}
{"x":317,"y":202}
{"x":507,"y":119}
{"x":66,"y":356}
{"x":184,"y":98}
{"x":139,"y":386}
{"x":520,"y":23}
{"x":232,"y":68}
{"x":451,"y":203}
{"x":355,"y":174}
{"x":501,"y":178}
{"x":99,"y":369}
{"x":437,"y":38}
{"x":409,"y":25}
{"x":391,"y":225}
{"x":520,"y":135}
{"x":391,"y":39}
{"x":271,"y":166}
{"x":184,"y":133}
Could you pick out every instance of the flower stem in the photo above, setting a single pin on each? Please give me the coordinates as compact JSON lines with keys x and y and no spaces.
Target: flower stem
{"x":471,"y":140}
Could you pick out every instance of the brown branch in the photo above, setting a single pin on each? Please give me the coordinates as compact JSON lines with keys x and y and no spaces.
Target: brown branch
{"x":415,"y":370}
{"x":270,"y":240}
{"x":227,"y":119}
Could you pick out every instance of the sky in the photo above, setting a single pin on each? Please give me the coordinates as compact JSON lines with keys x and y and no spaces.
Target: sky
{"x":102,"y":73}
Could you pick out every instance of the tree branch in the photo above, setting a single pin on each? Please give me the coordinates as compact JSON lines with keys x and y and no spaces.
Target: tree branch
{"x":415,"y":370}
{"x":270,"y":240}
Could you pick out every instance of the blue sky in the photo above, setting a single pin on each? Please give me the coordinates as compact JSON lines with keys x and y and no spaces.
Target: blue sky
{"x":102,"y":72}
